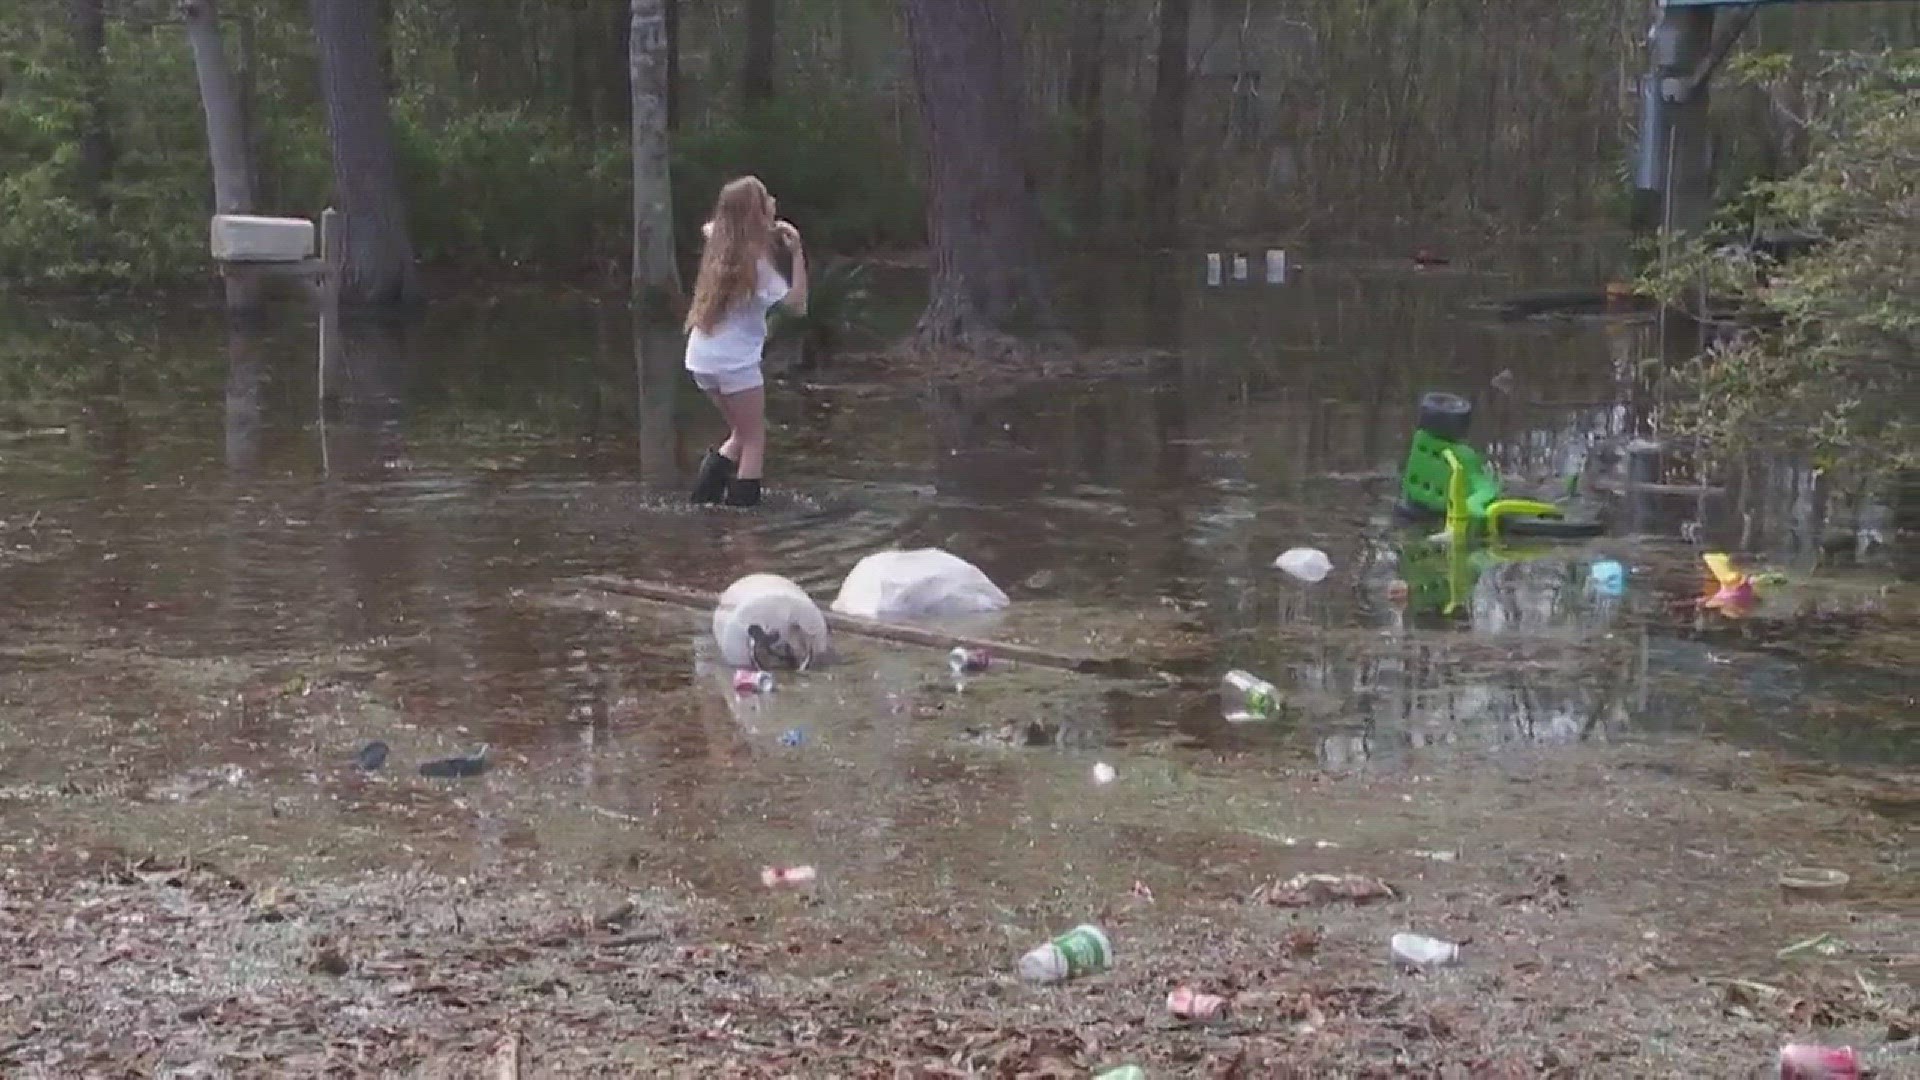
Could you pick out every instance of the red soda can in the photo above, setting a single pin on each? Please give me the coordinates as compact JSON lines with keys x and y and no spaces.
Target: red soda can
{"x":1805,"y":1061}
{"x":749,"y":681}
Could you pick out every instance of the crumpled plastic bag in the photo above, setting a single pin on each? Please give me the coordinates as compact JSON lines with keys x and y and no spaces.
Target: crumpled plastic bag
{"x":766,"y":621}
{"x":927,"y":583}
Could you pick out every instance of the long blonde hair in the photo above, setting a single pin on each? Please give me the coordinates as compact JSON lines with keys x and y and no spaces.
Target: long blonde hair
{"x":738,"y":237}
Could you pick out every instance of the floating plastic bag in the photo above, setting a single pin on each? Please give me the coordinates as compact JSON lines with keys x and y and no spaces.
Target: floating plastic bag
{"x":766,"y":621}
{"x":928,"y":583}
{"x":1308,"y":564}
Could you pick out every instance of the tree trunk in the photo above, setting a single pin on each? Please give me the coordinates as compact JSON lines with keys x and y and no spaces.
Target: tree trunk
{"x":981,"y":217}
{"x":376,"y":256}
{"x":656,"y":277}
{"x":1167,"y":124}
{"x":756,"y":69}
{"x":89,"y":21}
{"x":674,"y":86}
{"x":1086,"y":100}
{"x":229,"y":150}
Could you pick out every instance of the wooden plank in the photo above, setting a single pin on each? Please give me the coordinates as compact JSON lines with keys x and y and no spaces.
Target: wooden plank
{"x":702,"y":600}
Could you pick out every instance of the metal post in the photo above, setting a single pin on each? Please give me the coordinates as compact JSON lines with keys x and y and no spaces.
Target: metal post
{"x":1672,"y":167}
{"x":329,"y":317}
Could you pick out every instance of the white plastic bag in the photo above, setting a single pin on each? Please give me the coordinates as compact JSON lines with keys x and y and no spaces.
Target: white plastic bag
{"x":928,"y":583}
{"x":764,"y":620}
{"x":1307,"y":564}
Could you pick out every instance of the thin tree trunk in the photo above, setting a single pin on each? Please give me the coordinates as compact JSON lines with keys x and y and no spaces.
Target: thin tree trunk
{"x":220,"y":101}
{"x":1167,"y":123}
{"x":1086,"y":100}
{"x":228,"y":150}
{"x":376,"y":255}
{"x":89,"y":22}
{"x":981,"y":216}
{"x":656,"y":277}
{"x":756,"y":70}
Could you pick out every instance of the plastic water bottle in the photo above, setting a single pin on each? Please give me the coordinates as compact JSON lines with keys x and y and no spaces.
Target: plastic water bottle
{"x":1245,"y":696}
{"x":1416,"y":951}
{"x":749,"y":681}
{"x":1083,"y":950}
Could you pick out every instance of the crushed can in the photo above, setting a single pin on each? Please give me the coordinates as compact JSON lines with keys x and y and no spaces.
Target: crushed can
{"x":1805,"y":1061}
{"x":1083,"y":950}
{"x":750,"y":681}
{"x":965,"y":661}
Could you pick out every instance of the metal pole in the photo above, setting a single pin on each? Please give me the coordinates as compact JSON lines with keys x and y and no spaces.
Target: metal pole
{"x":1673,"y":112}
{"x":329,"y":318}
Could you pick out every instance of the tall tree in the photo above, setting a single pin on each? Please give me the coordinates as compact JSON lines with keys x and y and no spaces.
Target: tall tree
{"x":981,"y":216}
{"x":89,"y":22}
{"x":376,"y":255}
{"x":656,"y":277}
{"x":1167,"y":122}
{"x":229,"y":151}
{"x":756,"y":68}
{"x":227,"y":148}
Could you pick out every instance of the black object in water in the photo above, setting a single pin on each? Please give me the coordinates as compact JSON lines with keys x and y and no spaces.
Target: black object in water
{"x":456,"y":766}
{"x":372,"y":756}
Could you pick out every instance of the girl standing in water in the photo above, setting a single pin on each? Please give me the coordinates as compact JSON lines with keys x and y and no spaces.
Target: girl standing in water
{"x":727,"y":329}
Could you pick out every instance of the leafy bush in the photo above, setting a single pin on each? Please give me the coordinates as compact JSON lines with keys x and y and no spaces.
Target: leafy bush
{"x":1831,"y":364}
{"x":829,"y":162}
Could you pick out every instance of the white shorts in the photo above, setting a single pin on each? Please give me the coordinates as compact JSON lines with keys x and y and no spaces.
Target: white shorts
{"x":730,"y":381}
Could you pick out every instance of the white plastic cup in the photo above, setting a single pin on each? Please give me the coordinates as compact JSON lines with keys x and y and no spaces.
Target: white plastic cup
{"x":1083,"y":950}
{"x":1276,"y":266}
{"x":1213,"y":268}
{"x":1239,"y":268}
{"x":1417,"y":951}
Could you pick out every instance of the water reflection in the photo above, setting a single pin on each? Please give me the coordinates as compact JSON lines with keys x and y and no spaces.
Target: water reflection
{"x":468,"y":463}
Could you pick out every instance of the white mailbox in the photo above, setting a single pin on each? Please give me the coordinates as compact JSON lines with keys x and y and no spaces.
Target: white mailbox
{"x":246,"y":238}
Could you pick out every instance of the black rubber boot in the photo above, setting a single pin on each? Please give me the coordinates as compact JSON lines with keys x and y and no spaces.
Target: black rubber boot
{"x":716,"y":471}
{"x":743,"y":493}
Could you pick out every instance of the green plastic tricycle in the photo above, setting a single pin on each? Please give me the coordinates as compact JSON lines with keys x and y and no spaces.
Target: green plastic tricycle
{"x":1446,"y":479}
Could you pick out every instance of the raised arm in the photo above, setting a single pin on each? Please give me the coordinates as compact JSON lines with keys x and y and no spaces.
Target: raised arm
{"x":796,"y":298}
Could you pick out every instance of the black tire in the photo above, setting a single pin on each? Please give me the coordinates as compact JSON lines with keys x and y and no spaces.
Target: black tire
{"x":1446,"y":416}
{"x":1557,"y":528}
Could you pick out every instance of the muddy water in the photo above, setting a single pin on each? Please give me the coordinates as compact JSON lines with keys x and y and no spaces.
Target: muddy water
{"x":212,"y":579}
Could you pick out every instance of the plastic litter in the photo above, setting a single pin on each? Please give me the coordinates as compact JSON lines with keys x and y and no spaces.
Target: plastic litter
{"x":453,"y":767}
{"x":766,"y":621}
{"x":1397,"y":591}
{"x":1245,"y":696}
{"x":1123,"y":1072}
{"x":1103,"y":773}
{"x":1805,"y":1061}
{"x":792,"y":737}
{"x":1189,"y":1004}
{"x":927,"y":583}
{"x":371,"y":756}
{"x":1607,"y":578}
{"x":749,"y":681}
{"x":1734,"y":592}
{"x":1416,"y":951}
{"x":965,"y":661}
{"x":1083,"y":950}
{"x":774,"y":877}
{"x":1813,"y":882}
{"x":1308,"y":564}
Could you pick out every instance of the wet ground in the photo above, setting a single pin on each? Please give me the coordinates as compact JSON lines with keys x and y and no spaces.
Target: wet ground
{"x":217,"y":591}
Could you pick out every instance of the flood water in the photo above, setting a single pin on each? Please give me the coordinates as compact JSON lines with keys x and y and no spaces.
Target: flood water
{"x":176,"y":499}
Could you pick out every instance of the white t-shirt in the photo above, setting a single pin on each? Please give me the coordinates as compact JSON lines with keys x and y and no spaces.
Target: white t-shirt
{"x":741,"y":333}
